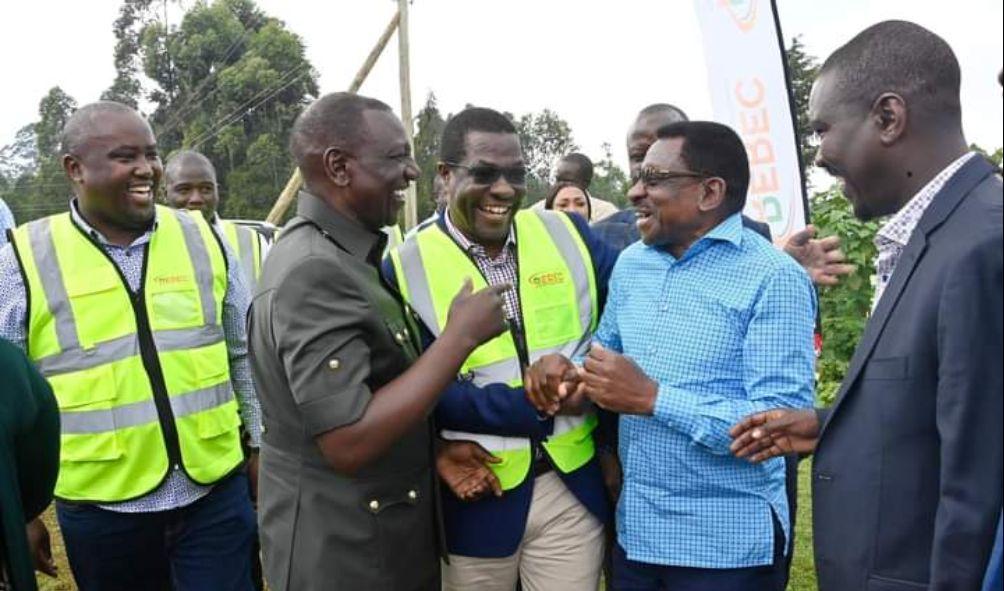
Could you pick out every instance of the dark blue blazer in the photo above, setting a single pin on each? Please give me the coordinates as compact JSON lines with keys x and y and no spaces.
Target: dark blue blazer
{"x":493,"y":527}
{"x":907,"y":476}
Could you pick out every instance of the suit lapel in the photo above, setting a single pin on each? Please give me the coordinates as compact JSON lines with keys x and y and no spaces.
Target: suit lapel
{"x":943,"y":204}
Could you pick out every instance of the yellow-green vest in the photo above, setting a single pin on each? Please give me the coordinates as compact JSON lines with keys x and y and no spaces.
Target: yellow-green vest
{"x":142,"y":381}
{"x":247,"y":247}
{"x":557,"y":291}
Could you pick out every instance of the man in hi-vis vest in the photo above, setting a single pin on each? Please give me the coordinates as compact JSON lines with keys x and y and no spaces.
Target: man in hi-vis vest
{"x":135,"y":315}
{"x":546,"y":527}
{"x":191,"y":184}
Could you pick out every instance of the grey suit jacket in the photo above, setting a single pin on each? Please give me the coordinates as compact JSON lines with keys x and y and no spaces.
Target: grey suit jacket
{"x":907,"y":475}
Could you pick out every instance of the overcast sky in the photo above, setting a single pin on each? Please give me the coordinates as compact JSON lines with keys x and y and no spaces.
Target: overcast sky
{"x":594,"y":63}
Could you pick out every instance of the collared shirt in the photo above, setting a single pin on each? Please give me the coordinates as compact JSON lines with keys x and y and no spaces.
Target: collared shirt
{"x":326,"y":333}
{"x":6,"y":221}
{"x":177,"y":490}
{"x":725,"y":331}
{"x":497,"y":271}
{"x":891,"y":239}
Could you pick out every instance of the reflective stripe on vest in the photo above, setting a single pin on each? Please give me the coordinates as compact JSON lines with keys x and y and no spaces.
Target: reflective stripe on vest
{"x":84,"y":335}
{"x":557,"y":288}
{"x":247,"y":247}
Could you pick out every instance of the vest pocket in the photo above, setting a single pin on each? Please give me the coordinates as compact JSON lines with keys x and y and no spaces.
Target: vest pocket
{"x":88,"y":421}
{"x":176,"y":307}
{"x":218,"y":421}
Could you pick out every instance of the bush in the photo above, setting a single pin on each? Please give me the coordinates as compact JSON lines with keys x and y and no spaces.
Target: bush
{"x":845,"y":307}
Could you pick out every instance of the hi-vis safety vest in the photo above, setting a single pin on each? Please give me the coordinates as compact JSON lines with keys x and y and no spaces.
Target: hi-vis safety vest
{"x":557,"y":290}
{"x":247,"y":247}
{"x":142,"y":381}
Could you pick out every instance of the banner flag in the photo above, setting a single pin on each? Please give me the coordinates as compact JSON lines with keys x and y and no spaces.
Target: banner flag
{"x":749,"y":92}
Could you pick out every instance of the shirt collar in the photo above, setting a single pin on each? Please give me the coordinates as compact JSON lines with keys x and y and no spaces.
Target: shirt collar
{"x":898,"y":229}
{"x":349,"y":234}
{"x":728,"y":230}
{"x":79,"y":220}
{"x":466,"y":243}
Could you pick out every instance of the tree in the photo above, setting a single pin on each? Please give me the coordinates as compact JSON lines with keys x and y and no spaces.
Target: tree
{"x":610,"y":182}
{"x":429,"y":129}
{"x":53,"y":110}
{"x":126,"y":87}
{"x":229,"y":82}
{"x":803,"y":69}
{"x":35,"y":183}
{"x":545,"y":138}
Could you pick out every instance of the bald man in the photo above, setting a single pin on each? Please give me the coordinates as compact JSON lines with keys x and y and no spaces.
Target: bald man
{"x":135,"y":315}
{"x":191,"y":184}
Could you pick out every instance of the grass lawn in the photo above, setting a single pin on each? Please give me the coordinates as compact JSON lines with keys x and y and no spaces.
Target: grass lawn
{"x":803,"y":571}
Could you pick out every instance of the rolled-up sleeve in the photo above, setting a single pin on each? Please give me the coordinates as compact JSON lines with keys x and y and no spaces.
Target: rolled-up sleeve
{"x":318,"y":318}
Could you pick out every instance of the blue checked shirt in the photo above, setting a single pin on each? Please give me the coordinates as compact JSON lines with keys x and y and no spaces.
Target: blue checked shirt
{"x":726,"y":331}
{"x":177,"y":490}
{"x":6,"y":222}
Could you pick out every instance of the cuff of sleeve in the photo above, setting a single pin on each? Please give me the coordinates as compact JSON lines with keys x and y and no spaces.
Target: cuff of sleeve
{"x":670,"y":405}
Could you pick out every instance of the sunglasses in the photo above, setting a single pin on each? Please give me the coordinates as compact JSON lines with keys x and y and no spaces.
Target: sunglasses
{"x":653,"y":176}
{"x":488,"y":174}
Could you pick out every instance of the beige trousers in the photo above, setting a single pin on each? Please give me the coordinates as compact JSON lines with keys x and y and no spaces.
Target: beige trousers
{"x":562,"y":549}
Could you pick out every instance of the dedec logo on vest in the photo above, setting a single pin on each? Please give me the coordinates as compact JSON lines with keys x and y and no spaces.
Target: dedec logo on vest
{"x":165,"y":280}
{"x":544,"y":279}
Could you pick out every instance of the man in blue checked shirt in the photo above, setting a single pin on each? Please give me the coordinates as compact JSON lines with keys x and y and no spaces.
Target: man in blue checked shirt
{"x":704,"y":323}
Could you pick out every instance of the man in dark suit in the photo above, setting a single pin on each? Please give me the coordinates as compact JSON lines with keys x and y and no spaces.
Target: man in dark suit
{"x":907,"y":474}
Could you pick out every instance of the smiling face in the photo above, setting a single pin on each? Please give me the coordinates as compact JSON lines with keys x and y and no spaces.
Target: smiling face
{"x":484,"y":211}
{"x":381,"y":170}
{"x":191,"y":184}
{"x":115,"y":170}
{"x":850,"y":149}
{"x":668,"y":211}
{"x":572,"y":200}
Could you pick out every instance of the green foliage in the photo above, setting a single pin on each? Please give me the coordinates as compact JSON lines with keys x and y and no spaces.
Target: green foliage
{"x":802,"y":68}
{"x":230,"y":81}
{"x":610,"y":182}
{"x":54,"y":109}
{"x":845,"y":307}
{"x":126,"y":88}
{"x":36,"y":185}
{"x":545,"y":138}
{"x":429,"y":128}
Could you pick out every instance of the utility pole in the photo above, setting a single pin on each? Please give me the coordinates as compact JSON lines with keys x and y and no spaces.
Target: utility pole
{"x":404,"y":71}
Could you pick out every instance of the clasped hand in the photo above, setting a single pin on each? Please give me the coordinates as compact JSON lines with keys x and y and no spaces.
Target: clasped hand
{"x":554,"y":385}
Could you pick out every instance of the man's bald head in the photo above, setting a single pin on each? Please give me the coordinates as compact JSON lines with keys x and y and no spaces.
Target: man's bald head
{"x":642,"y":134}
{"x":82,"y":124}
{"x":335,"y":119}
{"x":191,"y":183}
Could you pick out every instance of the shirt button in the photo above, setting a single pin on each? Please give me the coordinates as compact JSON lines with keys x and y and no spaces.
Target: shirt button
{"x":405,"y":331}
{"x":334,"y":364}
{"x":399,"y":338}
{"x":374,"y":505}
{"x":413,"y":494}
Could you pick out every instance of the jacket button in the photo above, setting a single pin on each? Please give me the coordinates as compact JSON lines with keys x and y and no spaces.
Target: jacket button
{"x":374,"y":505}
{"x":399,"y":337}
{"x":334,"y":364}
{"x":413,"y":494}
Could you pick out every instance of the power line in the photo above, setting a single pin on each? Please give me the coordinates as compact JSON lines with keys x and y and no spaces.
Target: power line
{"x":247,"y":107}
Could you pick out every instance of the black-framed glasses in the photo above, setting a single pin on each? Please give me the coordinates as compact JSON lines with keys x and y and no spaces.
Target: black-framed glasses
{"x":488,"y":174}
{"x":653,"y":176}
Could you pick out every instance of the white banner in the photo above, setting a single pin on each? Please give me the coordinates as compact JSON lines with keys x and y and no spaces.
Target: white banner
{"x":749,"y":93}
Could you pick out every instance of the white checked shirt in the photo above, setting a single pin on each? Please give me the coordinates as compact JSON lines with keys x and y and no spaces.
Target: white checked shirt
{"x":891,"y":239}
{"x":497,"y":271}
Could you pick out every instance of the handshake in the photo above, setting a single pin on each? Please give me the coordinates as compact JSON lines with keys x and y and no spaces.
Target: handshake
{"x":554,"y":385}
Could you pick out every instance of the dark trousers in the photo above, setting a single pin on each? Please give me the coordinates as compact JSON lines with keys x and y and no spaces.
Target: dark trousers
{"x":203,"y":546}
{"x":639,"y":576}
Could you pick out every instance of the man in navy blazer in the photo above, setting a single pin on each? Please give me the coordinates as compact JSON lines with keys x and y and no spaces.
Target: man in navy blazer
{"x":907,"y":474}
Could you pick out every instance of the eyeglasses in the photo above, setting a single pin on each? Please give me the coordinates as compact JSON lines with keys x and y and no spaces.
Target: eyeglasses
{"x":488,"y":174}
{"x":653,"y":176}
